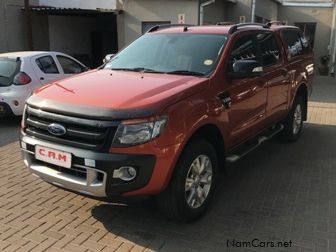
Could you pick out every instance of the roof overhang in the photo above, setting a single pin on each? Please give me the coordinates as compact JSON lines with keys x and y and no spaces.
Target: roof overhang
{"x":77,"y":4}
{"x":307,"y":3}
{"x":49,"y":10}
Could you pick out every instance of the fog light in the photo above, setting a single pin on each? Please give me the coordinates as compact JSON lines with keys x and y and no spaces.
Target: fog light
{"x":126,"y":173}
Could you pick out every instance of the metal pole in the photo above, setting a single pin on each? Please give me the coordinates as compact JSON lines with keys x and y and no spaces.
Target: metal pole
{"x":253,"y":11}
{"x":332,"y":43}
{"x":28,"y":25}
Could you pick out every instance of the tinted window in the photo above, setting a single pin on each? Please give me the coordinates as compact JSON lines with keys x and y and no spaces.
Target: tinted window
{"x":243,"y":48}
{"x":192,"y":54}
{"x":47,"y":65}
{"x":69,"y":66}
{"x":8,"y":69}
{"x":269,"y":49}
{"x":305,"y":44}
{"x":293,"y":42}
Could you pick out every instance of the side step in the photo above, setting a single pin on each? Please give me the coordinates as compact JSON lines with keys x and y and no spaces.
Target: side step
{"x":241,"y":151}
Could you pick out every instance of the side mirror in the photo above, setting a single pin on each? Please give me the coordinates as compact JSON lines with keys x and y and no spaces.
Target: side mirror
{"x":108,"y":57}
{"x":246,"y":68}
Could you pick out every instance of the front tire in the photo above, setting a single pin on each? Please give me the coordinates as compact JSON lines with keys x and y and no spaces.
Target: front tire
{"x":192,"y":186}
{"x":294,"y":122}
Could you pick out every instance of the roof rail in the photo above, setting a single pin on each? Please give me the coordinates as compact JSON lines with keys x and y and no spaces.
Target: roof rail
{"x":166,"y":26}
{"x":269,"y":24}
{"x":225,"y":23}
{"x":234,"y":28}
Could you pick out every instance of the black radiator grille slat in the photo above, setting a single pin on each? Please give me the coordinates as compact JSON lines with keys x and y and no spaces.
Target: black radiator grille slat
{"x":81,"y":133}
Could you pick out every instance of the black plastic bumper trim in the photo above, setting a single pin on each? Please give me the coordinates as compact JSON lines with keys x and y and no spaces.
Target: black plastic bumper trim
{"x":106,"y":162}
{"x":7,"y":110}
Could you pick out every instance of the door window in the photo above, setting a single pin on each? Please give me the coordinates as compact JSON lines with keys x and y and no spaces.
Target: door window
{"x":47,"y":65}
{"x":243,"y":49}
{"x":269,"y":49}
{"x":305,"y":43}
{"x":69,"y":66}
{"x":308,"y":30}
{"x":293,"y":42}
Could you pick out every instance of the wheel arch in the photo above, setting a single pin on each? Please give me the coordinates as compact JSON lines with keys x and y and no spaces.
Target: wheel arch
{"x":211,"y":133}
{"x":302,"y":91}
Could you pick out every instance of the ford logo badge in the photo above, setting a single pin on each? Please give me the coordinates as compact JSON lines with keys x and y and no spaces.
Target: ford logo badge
{"x":56,"y":129}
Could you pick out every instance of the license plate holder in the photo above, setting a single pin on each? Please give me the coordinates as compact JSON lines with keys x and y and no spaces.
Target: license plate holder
{"x":52,"y":156}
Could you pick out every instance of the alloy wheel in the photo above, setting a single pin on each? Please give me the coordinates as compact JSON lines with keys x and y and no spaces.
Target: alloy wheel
{"x":297,"y":121}
{"x":198,"y":181}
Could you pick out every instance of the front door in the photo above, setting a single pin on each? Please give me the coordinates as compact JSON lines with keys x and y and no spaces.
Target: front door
{"x":248,"y":95}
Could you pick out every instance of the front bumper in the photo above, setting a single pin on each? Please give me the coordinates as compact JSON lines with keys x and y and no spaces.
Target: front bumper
{"x":91,"y":172}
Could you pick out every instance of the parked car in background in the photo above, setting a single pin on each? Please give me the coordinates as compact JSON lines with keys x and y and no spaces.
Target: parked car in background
{"x":22,"y":72}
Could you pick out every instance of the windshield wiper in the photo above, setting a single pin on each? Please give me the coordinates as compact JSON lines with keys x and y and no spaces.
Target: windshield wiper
{"x":186,"y":72}
{"x":137,"y":69}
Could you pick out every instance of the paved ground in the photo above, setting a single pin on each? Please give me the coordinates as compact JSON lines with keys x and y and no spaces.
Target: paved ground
{"x":281,"y":192}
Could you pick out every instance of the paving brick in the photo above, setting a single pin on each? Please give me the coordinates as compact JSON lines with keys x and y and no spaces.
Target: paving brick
{"x":74,"y":248}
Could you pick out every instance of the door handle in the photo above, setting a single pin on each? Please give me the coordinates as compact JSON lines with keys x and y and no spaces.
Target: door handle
{"x":41,"y":78}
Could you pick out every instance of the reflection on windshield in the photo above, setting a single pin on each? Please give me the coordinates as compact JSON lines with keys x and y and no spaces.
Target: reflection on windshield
{"x":188,"y":54}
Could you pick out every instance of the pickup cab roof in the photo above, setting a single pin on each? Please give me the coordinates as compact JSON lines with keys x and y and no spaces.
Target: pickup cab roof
{"x":218,"y":29}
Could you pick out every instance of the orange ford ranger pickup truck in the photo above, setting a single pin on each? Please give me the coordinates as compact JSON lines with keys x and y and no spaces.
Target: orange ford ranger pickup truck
{"x":167,"y":112}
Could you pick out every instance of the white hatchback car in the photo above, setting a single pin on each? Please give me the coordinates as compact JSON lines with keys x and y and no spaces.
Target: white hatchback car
{"x":22,"y":72}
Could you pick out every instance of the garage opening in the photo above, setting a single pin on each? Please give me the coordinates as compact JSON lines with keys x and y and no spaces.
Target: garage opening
{"x":87,"y":35}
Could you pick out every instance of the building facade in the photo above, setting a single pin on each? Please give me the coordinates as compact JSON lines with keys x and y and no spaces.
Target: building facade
{"x":90,"y":29}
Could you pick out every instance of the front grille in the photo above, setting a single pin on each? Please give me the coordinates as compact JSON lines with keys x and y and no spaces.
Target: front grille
{"x":82,"y":133}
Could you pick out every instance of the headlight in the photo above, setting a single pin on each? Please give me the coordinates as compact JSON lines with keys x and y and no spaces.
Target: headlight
{"x":134,"y":134}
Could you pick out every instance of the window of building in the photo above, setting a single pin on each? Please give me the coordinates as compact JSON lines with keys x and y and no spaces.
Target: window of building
{"x":47,"y":65}
{"x":148,"y":25}
{"x":293,"y":42}
{"x":69,"y":66}
{"x":243,"y":49}
{"x":269,"y":49}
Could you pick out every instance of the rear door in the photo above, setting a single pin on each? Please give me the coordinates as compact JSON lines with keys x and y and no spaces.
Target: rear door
{"x":69,"y":66}
{"x":248,"y":95}
{"x":299,"y":58}
{"x":276,"y":76}
{"x":45,"y":68}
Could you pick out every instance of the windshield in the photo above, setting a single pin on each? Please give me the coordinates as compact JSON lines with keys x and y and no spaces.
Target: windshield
{"x":190,"y":54}
{"x":8,"y":69}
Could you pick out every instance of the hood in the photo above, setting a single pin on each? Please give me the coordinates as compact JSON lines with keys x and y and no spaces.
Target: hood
{"x":116,"y":94}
